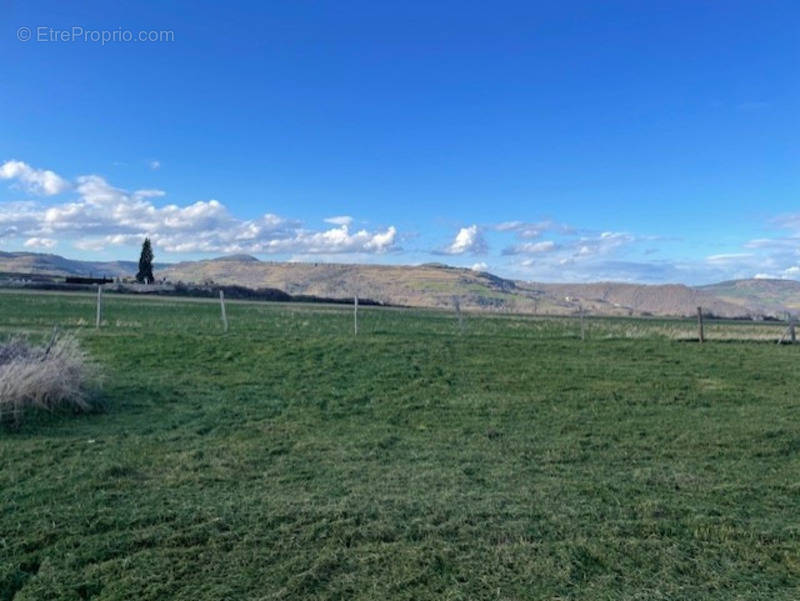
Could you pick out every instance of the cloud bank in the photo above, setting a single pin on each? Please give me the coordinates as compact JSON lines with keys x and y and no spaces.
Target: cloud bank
{"x":34,"y":181}
{"x":91,"y":214}
{"x":103,"y":216}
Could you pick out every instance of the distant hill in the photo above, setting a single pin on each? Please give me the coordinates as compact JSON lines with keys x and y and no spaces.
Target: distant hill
{"x":768,"y":296}
{"x":419,"y":286}
{"x":241,"y":258}
{"x":666,"y":299}
{"x":47,"y":264}
{"x":435,"y":285}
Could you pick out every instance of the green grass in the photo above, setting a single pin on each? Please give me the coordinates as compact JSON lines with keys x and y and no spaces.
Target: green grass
{"x":288,"y":460}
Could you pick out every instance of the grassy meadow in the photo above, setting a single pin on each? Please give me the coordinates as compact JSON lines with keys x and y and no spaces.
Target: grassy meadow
{"x":288,"y":459}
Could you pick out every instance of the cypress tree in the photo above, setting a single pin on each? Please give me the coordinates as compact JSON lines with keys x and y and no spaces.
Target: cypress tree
{"x":145,"y":274}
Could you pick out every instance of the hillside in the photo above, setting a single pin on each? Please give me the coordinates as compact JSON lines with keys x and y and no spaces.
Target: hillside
{"x":666,"y":299}
{"x":47,"y":264}
{"x":768,"y":296}
{"x":419,"y":286}
{"x":435,"y":285}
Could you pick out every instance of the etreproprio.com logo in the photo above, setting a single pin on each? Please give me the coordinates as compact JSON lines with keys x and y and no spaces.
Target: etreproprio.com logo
{"x":47,"y":34}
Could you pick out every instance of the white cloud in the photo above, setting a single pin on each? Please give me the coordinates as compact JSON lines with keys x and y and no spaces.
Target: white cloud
{"x":578,"y":249}
{"x":33,"y":181}
{"x":508,"y":226}
{"x":379,"y":242}
{"x":584,"y":258}
{"x":779,"y":254}
{"x":789,"y":273}
{"x":728,"y":257}
{"x":467,"y":240}
{"x":762,"y":243}
{"x":789,"y":221}
{"x":603,"y":244}
{"x":103,"y":216}
{"x":154,"y":164}
{"x":341,"y":220}
{"x":39,"y":243}
{"x":150,"y":193}
{"x":528,"y":230}
{"x":335,"y":240}
{"x":480,"y":267}
{"x":529,"y":248}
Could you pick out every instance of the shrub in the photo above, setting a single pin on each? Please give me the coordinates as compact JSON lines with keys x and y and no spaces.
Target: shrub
{"x":50,"y":377}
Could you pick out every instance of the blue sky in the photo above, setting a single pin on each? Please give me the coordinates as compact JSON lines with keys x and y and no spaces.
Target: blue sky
{"x":560,"y":141}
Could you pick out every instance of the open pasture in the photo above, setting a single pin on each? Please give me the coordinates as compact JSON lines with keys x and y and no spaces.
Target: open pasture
{"x":288,"y":459}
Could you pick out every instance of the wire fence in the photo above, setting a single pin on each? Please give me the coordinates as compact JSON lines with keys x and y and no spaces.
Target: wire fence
{"x":111,"y":314}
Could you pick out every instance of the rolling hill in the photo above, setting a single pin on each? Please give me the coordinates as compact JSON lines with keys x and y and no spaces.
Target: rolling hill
{"x":764,"y":295}
{"x":665,"y":299}
{"x":48,"y":264}
{"x":429,"y":285}
{"x":435,"y":285}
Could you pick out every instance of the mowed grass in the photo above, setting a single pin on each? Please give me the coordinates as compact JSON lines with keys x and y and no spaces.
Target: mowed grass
{"x":287,"y":459}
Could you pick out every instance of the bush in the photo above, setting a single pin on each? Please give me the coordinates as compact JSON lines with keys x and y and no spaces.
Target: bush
{"x":50,"y":377}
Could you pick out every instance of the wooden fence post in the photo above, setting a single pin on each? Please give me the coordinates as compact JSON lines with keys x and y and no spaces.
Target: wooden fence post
{"x":222,"y":309}
{"x":583,"y":327}
{"x":700,"y":335}
{"x":99,"y":306}
{"x":355,"y":315}
{"x":457,"y":306}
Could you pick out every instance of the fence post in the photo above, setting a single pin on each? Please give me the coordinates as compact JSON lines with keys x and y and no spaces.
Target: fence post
{"x":583,"y":327}
{"x":457,"y":306}
{"x":99,"y":306}
{"x":789,"y":330}
{"x":355,"y":315}
{"x":700,"y":335}
{"x":222,"y":308}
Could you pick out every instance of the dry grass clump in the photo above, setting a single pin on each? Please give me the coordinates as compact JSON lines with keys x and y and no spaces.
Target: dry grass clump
{"x":52,"y":376}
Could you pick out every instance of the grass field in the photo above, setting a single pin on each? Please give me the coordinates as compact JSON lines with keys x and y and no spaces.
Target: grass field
{"x":287,"y":459}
